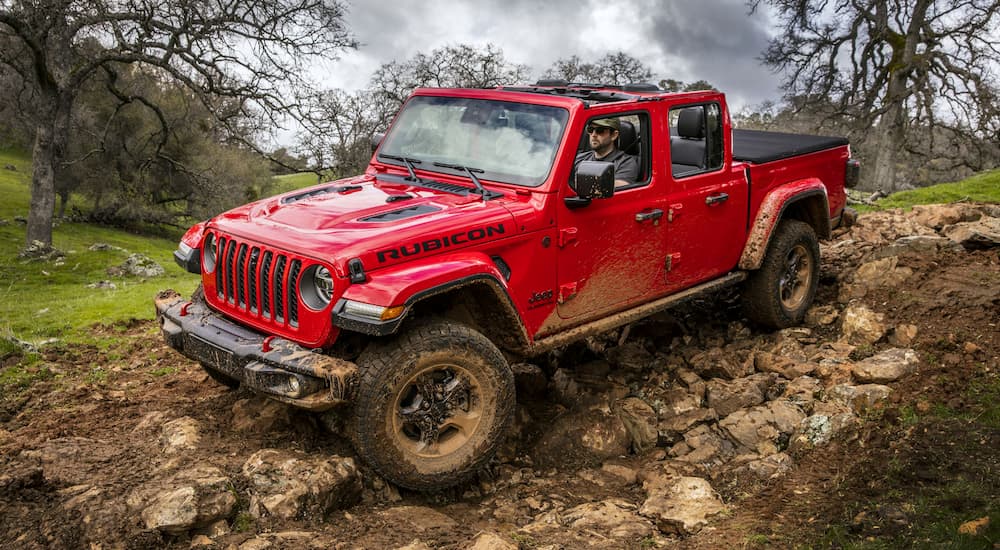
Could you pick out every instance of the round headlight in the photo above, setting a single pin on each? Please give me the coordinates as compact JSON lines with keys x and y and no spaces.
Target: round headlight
{"x":208,"y":253}
{"x":324,"y":284}
{"x":316,"y":289}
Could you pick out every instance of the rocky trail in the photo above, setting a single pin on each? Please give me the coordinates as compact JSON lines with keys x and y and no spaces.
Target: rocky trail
{"x":688,"y":430}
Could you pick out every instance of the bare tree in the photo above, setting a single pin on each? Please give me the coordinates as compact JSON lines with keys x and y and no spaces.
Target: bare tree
{"x":614,"y":68}
{"x":461,"y":66}
{"x":912,"y":70}
{"x":243,"y":60}
{"x":339,"y":141}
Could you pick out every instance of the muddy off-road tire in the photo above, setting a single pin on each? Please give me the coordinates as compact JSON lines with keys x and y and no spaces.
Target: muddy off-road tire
{"x":779,"y":293}
{"x":431,"y":406}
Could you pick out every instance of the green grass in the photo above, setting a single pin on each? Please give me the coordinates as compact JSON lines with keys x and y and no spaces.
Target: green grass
{"x":983,"y":187}
{"x":47,"y":299}
{"x":291,"y":182}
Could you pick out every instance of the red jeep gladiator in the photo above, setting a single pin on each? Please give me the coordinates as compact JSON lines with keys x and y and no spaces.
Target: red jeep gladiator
{"x":475,"y":239}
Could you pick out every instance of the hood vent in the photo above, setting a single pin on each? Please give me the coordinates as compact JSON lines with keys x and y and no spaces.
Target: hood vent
{"x":321,"y":191}
{"x":401,"y":214}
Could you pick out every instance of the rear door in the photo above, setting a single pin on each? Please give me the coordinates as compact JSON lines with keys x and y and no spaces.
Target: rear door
{"x":707,"y":200}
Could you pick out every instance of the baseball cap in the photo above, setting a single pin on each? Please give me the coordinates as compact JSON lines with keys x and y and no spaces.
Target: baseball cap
{"x":607,"y":122}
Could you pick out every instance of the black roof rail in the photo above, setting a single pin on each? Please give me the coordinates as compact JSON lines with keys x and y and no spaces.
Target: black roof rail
{"x":630,"y":87}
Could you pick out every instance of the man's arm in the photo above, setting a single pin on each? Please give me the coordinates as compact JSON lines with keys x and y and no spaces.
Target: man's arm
{"x":626,"y":170}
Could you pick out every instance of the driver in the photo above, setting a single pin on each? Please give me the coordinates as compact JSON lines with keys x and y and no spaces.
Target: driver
{"x":603,"y":134}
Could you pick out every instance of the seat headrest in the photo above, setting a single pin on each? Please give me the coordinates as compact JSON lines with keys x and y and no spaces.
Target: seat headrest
{"x":690,"y":123}
{"x":627,"y":139}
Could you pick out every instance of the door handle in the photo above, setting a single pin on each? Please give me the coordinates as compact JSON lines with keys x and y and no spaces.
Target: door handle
{"x":712,"y":199}
{"x":653,"y":214}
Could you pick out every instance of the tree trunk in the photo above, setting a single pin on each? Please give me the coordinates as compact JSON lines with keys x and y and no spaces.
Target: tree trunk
{"x":889,"y":136}
{"x":891,"y":128}
{"x":51,"y":135}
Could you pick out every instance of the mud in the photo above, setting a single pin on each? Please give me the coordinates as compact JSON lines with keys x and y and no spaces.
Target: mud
{"x":76,"y":443}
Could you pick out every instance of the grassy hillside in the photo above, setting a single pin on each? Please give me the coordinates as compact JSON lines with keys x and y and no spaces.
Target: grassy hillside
{"x":983,"y":187}
{"x":43,"y":299}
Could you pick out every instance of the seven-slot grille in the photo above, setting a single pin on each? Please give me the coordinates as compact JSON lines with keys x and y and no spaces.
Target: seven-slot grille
{"x":258,"y":280}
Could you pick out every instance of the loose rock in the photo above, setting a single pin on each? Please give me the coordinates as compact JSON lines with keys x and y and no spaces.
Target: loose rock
{"x":862,"y":326}
{"x":887,"y":366}
{"x":682,"y":506}
{"x":288,"y":483}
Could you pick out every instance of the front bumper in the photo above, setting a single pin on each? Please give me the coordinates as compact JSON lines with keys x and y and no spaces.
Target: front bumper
{"x":275,"y":367}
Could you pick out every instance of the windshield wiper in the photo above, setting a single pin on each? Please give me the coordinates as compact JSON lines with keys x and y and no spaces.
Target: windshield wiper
{"x":472,"y":176}
{"x":408,"y":162}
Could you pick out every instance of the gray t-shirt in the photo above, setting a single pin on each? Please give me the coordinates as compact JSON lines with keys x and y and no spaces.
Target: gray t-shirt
{"x":626,"y":165}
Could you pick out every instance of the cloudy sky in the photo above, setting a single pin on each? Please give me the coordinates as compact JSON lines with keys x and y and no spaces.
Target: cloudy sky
{"x":714,"y":40}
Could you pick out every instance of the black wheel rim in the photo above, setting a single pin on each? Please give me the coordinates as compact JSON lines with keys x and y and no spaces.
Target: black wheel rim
{"x":796,"y":277}
{"x":437,"y":411}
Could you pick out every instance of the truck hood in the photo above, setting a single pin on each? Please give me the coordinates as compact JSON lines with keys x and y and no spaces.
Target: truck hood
{"x":380,"y":222}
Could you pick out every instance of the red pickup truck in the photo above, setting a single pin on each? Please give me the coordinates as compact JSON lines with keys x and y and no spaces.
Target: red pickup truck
{"x":399,"y":298}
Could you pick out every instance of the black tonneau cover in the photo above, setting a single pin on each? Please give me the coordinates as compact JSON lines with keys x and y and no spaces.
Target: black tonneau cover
{"x":758,"y":147}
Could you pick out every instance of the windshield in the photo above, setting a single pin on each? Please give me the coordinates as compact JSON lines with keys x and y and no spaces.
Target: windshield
{"x":510,"y":142}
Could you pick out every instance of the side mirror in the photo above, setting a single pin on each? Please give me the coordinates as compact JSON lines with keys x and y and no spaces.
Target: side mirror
{"x":593,"y":180}
{"x":377,"y":140}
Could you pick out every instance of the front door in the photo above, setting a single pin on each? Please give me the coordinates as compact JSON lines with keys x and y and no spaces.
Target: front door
{"x":611,"y":252}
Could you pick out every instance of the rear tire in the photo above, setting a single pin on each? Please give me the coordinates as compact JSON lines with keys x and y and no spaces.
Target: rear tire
{"x":778,"y":294}
{"x":431,"y":406}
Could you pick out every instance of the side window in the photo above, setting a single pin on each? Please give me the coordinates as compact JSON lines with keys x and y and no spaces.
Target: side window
{"x":623,"y":140}
{"x":695,"y":139}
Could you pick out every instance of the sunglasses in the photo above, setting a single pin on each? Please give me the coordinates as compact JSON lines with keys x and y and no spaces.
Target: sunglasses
{"x":598,"y":129}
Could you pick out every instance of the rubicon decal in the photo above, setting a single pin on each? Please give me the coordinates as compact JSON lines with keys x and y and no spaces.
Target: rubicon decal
{"x":430,"y":245}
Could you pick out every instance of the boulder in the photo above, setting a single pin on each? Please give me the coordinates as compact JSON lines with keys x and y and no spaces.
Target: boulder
{"x":631,"y":356}
{"x":881,"y":272}
{"x":764,"y":429}
{"x":615,"y":518}
{"x":821,"y":315}
{"x":595,"y":432}
{"x":862,"y":326}
{"x":803,"y":390}
{"x":903,"y":335}
{"x":718,"y":363}
{"x":859,"y":398}
{"x":671,"y":428}
{"x":289,"y":539}
{"x":820,"y":429}
{"x":681,"y":506}
{"x":694,"y":383}
{"x":490,"y":541}
{"x":187,"y":500}
{"x":783,"y":366}
{"x":886,"y":366}
{"x":704,"y":445}
{"x":180,"y":435}
{"x":640,"y":422}
{"x":918,"y":244}
{"x":289,"y":483}
{"x":936,"y":216}
{"x":984,"y":233}
{"x":727,"y":397}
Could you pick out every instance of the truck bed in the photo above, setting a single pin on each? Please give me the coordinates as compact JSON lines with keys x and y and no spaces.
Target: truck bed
{"x":759,"y":147}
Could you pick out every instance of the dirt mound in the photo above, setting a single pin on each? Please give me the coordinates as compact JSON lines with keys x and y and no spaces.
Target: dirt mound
{"x":690,"y":429}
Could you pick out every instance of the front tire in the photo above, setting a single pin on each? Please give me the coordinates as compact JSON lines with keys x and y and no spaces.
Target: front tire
{"x":781,"y":291}
{"x":431,"y":406}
